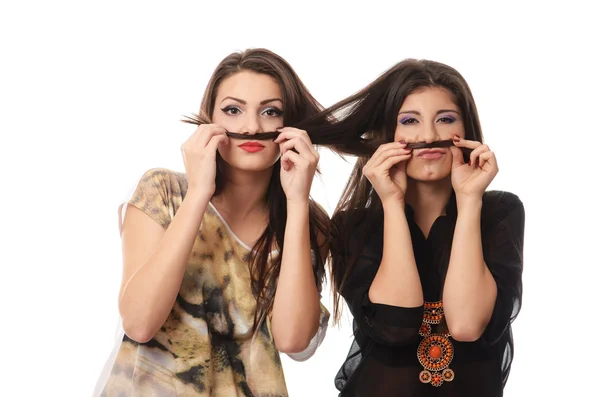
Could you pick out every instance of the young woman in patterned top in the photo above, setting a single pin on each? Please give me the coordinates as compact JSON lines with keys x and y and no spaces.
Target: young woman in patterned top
{"x":223,"y":265}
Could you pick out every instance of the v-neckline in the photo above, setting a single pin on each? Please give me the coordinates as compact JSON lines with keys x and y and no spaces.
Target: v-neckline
{"x":239,"y":240}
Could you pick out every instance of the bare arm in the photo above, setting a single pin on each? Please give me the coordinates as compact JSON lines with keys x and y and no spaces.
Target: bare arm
{"x":397,"y":281}
{"x":296,"y":308}
{"x":154,"y":262}
{"x":469,"y":290}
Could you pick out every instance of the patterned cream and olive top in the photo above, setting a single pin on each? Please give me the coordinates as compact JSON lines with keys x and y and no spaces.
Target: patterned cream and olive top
{"x":206,"y":347}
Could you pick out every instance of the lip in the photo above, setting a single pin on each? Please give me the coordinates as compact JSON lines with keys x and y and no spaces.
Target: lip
{"x":252,"y":146}
{"x":431,"y":154}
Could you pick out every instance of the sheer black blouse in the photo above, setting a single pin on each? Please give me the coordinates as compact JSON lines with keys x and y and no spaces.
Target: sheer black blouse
{"x":382,"y":361}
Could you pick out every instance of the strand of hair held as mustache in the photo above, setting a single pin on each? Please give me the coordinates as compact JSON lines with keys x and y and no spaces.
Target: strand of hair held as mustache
{"x":431,"y":145}
{"x":367,"y":146}
{"x":261,"y":136}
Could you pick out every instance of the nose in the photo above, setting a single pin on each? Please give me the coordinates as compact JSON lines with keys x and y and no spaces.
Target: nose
{"x":430,"y":133}
{"x":251,"y":125}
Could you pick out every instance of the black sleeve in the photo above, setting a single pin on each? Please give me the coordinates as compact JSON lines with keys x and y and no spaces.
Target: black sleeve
{"x":385,"y":324}
{"x":502,"y":243}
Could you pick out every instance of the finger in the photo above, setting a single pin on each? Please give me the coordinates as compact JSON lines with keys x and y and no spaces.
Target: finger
{"x":292,"y":159}
{"x":204,"y":133}
{"x":461,"y":142}
{"x":387,"y":146}
{"x":488,"y":158}
{"x":303,"y":135}
{"x":394,"y":160}
{"x":479,"y":150}
{"x":457,"y":156}
{"x":476,"y":153}
{"x":215,"y":141}
{"x":288,"y":133}
{"x":376,"y":161}
{"x":300,"y":145}
{"x":400,"y":166}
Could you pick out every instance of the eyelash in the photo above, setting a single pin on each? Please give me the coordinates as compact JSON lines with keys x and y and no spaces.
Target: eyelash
{"x":412,"y":120}
{"x":277,"y":112}
{"x":228,"y":110}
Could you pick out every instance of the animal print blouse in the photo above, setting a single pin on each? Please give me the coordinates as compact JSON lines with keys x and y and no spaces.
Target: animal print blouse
{"x":206,"y":346}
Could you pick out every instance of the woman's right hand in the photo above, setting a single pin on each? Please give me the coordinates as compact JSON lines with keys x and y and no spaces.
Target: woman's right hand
{"x":200,"y":158}
{"x":386,"y":170}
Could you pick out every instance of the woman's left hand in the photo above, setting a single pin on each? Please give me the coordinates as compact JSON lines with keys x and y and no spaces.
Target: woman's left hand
{"x":470,"y":180}
{"x":297,"y":167}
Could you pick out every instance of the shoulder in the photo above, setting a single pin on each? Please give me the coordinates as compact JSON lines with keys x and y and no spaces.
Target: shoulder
{"x":356,"y":229}
{"x":500,"y":207}
{"x":356,"y":219}
{"x":159,"y":190}
{"x":502,"y":202}
{"x":162,"y":176}
{"x":162,"y":182}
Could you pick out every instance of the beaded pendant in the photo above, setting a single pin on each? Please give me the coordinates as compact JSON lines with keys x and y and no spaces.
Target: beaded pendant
{"x":435,"y":352}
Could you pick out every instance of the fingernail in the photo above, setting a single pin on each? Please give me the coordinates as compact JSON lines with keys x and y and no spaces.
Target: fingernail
{"x":403,"y":142}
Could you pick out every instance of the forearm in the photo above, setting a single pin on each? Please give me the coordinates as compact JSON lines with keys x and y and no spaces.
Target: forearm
{"x":469,"y":289}
{"x":397,"y":281}
{"x":296,"y":308}
{"x":149,"y":295}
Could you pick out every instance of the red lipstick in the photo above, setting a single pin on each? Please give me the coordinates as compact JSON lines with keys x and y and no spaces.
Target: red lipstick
{"x":252,"y":146}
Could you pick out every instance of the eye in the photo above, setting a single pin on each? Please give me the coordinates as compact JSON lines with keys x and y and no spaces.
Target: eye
{"x":408,"y":120}
{"x":273,"y":112}
{"x":231,"y":110}
{"x":447,"y":119}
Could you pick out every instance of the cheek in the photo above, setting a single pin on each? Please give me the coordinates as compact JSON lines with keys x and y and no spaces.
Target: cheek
{"x":405,"y":133}
{"x":274,"y":152}
{"x":225,"y":150}
{"x":455,"y":129}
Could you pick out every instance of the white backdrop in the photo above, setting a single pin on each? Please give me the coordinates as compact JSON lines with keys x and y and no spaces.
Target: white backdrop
{"x":90,"y":97}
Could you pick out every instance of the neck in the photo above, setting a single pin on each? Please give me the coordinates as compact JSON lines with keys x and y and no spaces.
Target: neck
{"x":428,"y":200}
{"x":243,"y":192}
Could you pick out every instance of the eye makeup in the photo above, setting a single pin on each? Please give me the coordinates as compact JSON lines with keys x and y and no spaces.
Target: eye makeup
{"x":263,"y":136}
{"x":404,"y":119}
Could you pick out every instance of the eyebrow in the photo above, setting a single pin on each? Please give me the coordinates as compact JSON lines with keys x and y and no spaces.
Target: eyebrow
{"x":438,"y":112}
{"x":244,"y":102}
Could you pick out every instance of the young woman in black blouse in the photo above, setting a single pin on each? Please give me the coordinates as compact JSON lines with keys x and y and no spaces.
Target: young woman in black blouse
{"x":428,"y":261}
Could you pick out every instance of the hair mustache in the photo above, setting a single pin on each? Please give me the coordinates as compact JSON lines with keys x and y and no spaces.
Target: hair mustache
{"x":262,"y":136}
{"x":425,"y":145}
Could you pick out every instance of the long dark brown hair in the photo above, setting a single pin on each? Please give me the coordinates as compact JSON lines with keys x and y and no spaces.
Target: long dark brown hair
{"x":356,"y":126}
{"x":298,"y":104}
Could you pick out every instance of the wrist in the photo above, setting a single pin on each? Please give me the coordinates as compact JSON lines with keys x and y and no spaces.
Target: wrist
{"x":469,"y":203}
{"x":393,"y":205}
{"x":198,"y":196}
{"x":297,"y":211}
{"x":297,"y":203}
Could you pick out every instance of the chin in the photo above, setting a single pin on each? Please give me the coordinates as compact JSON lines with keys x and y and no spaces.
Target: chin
{"x":428,"y":176}
{"x":252,"y":165}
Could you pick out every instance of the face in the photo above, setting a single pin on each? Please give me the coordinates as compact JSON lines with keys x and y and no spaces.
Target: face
{"x":429,"y":115}
{"x":249,"y":103}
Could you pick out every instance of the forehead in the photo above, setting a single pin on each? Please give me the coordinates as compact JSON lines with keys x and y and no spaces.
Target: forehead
{"x":249,"y":86}
{"x":433,"y":98}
